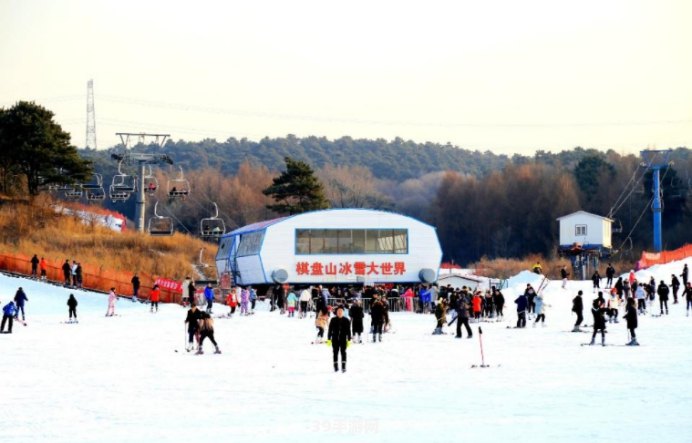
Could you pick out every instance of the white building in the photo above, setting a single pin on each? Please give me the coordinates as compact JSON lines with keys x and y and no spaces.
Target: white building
{"x":590,"y":231}
{"x":337,"y":246}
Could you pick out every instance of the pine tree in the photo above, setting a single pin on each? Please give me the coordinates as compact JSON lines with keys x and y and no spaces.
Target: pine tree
{"x":296,"y":190}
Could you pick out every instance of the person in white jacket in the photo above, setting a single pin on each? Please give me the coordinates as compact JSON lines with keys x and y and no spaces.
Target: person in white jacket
{"x":640,"y":295}
{"x":305,"y":297}
{"x":112,"y":298}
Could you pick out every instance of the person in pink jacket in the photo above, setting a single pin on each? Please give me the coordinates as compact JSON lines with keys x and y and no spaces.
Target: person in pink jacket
{"x":244,"y":298}
{"x":112,"y":298}
{"x":408,"y":296}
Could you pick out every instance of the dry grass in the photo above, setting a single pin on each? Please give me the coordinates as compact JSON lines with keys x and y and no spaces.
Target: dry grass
{"x":35,"y":228}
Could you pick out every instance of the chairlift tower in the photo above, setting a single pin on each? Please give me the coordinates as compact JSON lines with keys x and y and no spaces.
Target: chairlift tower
{"x":141,"y":161}
{"x":656,"y":160}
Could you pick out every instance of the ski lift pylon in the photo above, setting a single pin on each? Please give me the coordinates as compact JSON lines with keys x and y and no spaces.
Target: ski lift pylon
{"x":212,"y":228}
{"x":159,"y":225}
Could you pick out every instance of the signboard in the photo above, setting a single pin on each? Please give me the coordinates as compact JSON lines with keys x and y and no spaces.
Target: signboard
{"x":171,"y":285}
{"x":347,"y":268}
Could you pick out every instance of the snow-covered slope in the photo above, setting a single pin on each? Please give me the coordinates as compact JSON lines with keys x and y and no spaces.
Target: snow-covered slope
{"x":120,"y":379}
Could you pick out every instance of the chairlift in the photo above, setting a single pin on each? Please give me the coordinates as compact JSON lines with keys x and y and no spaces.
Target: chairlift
{"x":159,"y":225}
{"x":74,"y":192}
{"x":212,"y":228}
{"x":123,"y":183}
{"x":178,"y":187}
{"x":616,"y":229}
{"x":151,"y":184}
{"x":95,"y":191}
{"x":117,"y":195}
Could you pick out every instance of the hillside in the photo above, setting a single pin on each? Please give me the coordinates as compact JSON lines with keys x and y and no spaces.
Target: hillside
{"x":35,"y":228}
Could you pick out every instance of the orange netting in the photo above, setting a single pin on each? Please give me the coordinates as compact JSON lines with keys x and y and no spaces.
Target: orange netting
{"x":659,"y":258}
{"x":93,"y":277}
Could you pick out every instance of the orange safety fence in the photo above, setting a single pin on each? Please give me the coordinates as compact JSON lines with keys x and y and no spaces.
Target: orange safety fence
{"x":658,"y":258}
{"x":93,"y":277}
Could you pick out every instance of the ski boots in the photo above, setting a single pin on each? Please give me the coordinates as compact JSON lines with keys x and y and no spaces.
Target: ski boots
{"x":633,"y":342}
{"x":217,"y":351}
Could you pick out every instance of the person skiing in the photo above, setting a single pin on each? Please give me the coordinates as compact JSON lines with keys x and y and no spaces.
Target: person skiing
{"x":476,"y":303}
{"x":206,"y":329}
{"x":619,"y":288}
{"x":231,"y":301}
{"x":209,"y":296}
{"x":530,"y":294}
{"x":597,"y":310}
{"x":34,"y":266}
{"x":596,"y":279}
{"x":462,"y":318}
{"x":66,"y":272}
{"x":640,"y":295}
{"x":613,"y":307}
{"x":685,"y":273}
{"x":663,"y":292}
{"x":187,"y":297}
{"x":135,"y":287}
{"x":72,"y":309}
{"x":537,"y":268}
{"x":610,"y":273}
{"x":112,"y":298}
{"x":339,"y":336}
{"x":540,"y":311}
{"x":522,"y":303}
{"x":499,"y":302}
{"x":192,"y":326}
{"x":43,"y":266}
{"x":675,"y":286}
{"x":8,"y":313}
{"x":631,"y":317}
{"x":687,"y":294}
{"x":291,"y":301}
{"x":19,"y":299}
{"x":305,"y":297}
{"x":377,"y":316}
{"x":321,"y":324}
{"x":154,"y":297}
{"x":356,"y":314}
{"x":563,"y":275}
{"x":578,"y":308}
{"x":253,"y":298}
{"x":441,"y":316}
{"x":244,"y":299}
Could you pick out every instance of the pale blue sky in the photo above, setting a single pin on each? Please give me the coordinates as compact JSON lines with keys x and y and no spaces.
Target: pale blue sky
{"x":505,"y":76}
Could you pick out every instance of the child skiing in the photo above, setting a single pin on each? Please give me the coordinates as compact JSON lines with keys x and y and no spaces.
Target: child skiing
{"x":321,"y":324}
{"x":112,"y":298}
{"x":540,"y":311}
{"x":291,"y":304}
{"x":339,"y":337}
{"x":441,"y":316}
{"x":209,"y":296}
{"x":244,"y":300}
{"x":72,"y":309}
{"x":154,"y":297}
{"x":231,"y":302}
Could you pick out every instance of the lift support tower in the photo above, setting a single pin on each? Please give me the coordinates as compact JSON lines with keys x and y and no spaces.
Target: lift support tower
{"x":656,"y":160}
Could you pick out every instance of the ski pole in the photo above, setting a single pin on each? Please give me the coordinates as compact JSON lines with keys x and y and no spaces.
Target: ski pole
{"x":480,"y":340}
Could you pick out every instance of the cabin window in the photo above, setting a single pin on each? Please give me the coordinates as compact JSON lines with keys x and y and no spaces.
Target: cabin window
{"x":250,"y":243}
{"x":351,"y":241}
{"x":580,"y":230}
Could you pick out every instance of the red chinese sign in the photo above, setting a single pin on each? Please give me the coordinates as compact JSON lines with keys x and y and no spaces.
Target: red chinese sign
{"x":351,"y":268}
{"x":171,"y":285}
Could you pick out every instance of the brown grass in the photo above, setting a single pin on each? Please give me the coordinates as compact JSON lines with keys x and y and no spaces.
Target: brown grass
{"x":35,"y":228}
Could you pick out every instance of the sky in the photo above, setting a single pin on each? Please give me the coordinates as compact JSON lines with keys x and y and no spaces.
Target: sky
{"x":503,"y":76}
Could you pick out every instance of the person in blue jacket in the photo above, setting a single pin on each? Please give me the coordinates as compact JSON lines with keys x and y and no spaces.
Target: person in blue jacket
{"x":425,"y":298}
{"x":522,"y":302}
{"x":20,"y":298}
{"x":209,"y":296}
{"x":8,"y":313}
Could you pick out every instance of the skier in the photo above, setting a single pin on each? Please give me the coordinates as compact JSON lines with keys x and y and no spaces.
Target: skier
{"x":321,"y":324}
{"x":631,"y":317}
{"x":386,"y":325}
{"x":619,"y":288}
{"x":206,"y":329}
{"x":231,"y":301}
{"x":578,"y":308}
{"x":305,"y":297}
{"x":291,"y":301}
{"x":192,"y":326}
{"x":209,"y":296}
{"x":610,"y":273}
{"x":537,"y":268}
{"x":530,"y":294}
{"x":154,"y":297}
{"x":688,"y":297}
{"x":462,"y":317}
{"x":522,"y":303}
{"x":675,"y":285}
{"x":563,"y":275}
{"x":663,"y":292}
{"x":476,"y":303}
{"x":135,"y":287}
{"x":596,"y":279}
{"x":73,"y":273}
{"x":79,"y":275}
{"x":685,"y":273}
{"x":253,"y":298}
{"x":72,"y":309}
{"x":34,"y":266}
{"x":441,"y":316}
{"x":640,"y":295}
{"x":613,"y":305}
{"x":112,"y":298}
{"x":339,"y":336}
{"x":66,"y":272}
{"x":8,"y":313}
{"x":424,"y":297}
{"x":19,"y":299}
{"x":377,"y":316}
{"x":540,"y":311}
{"x":597,"y":310}
{"x":626,"y":289}
{"x":187,"y":297}
{"x":43,"y":265}
{"x":356,"y":314}
{"x":499,"y":301}
{"x":244,"y":299}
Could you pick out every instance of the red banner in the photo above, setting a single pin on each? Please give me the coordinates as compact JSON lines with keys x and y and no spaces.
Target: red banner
{"x":171,"y":285}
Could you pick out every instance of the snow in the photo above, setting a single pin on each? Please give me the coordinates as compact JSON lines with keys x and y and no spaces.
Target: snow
{"x":120,"y":379}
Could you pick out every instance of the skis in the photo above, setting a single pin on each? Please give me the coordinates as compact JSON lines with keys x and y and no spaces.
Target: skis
{"x":69,"y":322}
{"x":20,"y":321}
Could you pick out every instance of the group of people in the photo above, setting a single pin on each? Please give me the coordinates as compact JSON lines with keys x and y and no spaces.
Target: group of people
{"x":37,"y":264}
{"x":10,"y":312}
{"x":72,"y":274}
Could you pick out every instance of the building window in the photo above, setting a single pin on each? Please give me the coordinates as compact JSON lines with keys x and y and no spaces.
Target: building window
{"x":580,"y":230}
{"x":351,"y":241}
{"x":250,"y":243}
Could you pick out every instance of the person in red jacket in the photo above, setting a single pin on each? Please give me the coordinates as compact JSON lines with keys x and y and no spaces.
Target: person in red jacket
{"x":43,"y":265}
{"x":154,"y":297}
{"x":477,"y":304}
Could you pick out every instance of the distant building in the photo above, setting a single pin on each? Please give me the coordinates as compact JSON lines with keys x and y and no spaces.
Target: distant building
{"x":585,"y":238}
{"x":334,"y":246}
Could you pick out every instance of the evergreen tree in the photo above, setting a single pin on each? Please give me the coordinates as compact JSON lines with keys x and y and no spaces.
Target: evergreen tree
{"x":33,"y":145}
{"x":296,"y":190}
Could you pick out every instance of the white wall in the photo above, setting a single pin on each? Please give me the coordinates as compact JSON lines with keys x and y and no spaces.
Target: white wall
{"x":598,"y":229}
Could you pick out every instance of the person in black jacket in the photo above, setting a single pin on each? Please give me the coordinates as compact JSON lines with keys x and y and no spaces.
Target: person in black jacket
{"x":596,"y":279}
{"x":663,"y":292}
{"x":578,"y":308}
{"x":66,"y":270}
{"x":675,"y":286}
{"x":687,"y":295}
{"x":72,"y":308}
{"x":34,"y":266}
{"x":192,"y":326}
{"x":135,"y":287}
{"x":462,"y":317}
{"x":499,"y":301}
{"x":610,"y":273}
{"x":599,"y":324}
{"x":631,"y":317}
{"x":377,"y":316}
{"x":19,"y":299}
{"x":356,"y":315}
{"x":340,"y":337}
